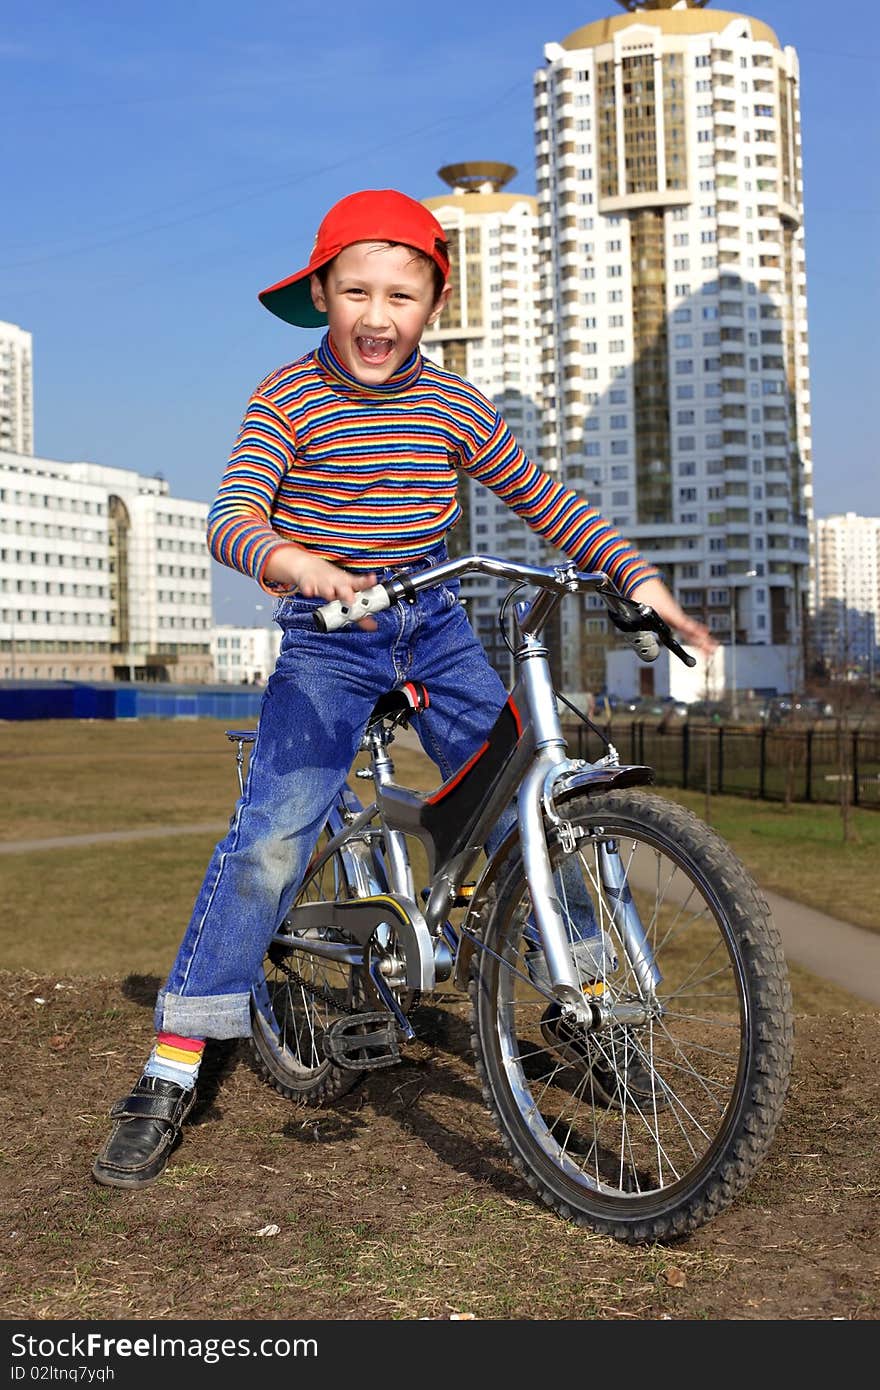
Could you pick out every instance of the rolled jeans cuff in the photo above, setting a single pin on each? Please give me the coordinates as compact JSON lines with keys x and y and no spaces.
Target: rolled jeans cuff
{"x":203,"y":1016}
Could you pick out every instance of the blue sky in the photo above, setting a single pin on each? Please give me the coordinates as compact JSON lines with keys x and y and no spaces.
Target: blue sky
{"x":163,"y":162}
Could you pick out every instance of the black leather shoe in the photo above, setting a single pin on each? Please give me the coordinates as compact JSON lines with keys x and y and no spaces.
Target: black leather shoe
{"x":148,"y":1124}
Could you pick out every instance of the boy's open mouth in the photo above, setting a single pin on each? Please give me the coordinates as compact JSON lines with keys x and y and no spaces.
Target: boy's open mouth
{"x":374,"y":350}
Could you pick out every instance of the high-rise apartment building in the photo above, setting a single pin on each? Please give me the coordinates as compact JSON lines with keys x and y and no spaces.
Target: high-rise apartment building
{"x":16,"y":389}
{"x":103,"y":575}
{"x":847,"y":598}
{"x":489,"y":333}
{"x":675,"y":382}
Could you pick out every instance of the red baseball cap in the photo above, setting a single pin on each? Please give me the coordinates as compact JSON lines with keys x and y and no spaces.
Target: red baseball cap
{"x":374,"y":214}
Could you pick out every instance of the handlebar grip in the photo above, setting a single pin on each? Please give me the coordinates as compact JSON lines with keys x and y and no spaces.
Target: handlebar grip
{"x":332,"y":616}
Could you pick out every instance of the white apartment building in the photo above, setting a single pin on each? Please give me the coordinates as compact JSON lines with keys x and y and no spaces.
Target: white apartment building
{"x":847,"y":598}
{"x":489,"y":333}
{"x":16,"y":389}
{"x":244,"y":655}
{"x":103,"y":575}
{"x":676,"y":378}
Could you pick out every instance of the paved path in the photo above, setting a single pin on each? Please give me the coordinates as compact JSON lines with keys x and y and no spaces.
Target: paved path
{"x":846,"y":955}
{"x":112,"y":837}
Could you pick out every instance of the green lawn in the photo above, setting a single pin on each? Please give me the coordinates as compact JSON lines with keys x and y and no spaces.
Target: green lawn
{"x":108,"y":907}
{"x":799,"y":851}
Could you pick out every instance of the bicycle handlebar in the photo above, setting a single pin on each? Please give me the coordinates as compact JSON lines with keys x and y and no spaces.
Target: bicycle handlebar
{"x":644,"y":629}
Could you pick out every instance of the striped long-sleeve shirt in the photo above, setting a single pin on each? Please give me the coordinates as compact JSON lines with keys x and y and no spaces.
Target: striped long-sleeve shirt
{"x":365,"y":476}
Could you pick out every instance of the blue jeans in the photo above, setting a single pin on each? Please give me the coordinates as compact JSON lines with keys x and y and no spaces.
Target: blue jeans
{"x":313,"y":714}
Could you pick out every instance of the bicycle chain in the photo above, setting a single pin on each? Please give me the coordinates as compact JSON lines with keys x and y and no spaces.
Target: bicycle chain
{"x":319,"y":992}
{"x":324,"y":995}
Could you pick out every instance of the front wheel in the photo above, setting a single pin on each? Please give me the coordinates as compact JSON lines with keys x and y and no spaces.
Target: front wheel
{"x":649,"y":1124}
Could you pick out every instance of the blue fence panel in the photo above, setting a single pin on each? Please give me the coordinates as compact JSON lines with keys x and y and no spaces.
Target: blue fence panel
{"x":36,"y":702}
{"x":66,"y":700}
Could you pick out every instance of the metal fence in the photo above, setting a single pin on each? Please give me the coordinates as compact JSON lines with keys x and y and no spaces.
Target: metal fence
{"x":770,"y":764}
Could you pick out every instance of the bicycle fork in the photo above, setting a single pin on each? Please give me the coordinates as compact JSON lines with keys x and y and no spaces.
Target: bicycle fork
{"x":535,"y":807}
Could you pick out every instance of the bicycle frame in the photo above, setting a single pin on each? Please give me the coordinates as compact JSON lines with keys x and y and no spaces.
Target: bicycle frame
{"x":636,"y":1104}
{"x":526,"y":757}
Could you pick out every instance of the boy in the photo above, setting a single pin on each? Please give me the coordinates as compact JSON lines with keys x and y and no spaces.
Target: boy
{"x":344,"y":471}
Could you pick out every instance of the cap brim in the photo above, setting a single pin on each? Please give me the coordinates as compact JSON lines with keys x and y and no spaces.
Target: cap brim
{"x":291,"y":300}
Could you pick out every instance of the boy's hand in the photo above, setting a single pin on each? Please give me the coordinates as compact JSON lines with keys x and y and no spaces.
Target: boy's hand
{"x":655,"y":593}
{"x":317,"y":578}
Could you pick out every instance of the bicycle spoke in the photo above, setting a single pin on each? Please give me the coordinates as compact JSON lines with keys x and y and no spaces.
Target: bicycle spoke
{"x":636,"y":1110}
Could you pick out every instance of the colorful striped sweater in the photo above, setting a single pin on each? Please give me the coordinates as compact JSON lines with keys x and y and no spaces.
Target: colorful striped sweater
{"x":366,"y":476}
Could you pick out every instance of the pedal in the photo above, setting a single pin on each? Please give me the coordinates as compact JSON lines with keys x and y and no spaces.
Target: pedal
{"x":362,"y":1042}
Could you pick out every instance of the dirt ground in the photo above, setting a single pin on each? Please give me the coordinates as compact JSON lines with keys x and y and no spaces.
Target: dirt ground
{"x":397,"y":1202}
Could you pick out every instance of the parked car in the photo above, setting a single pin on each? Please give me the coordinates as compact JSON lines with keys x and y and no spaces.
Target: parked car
{"x":714,"y":710}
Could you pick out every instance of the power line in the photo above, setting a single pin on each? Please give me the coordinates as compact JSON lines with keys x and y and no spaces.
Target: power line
{"x":267,"y":186}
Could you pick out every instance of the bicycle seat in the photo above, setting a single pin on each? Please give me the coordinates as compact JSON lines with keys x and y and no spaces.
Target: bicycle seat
{"x":400,"y":704}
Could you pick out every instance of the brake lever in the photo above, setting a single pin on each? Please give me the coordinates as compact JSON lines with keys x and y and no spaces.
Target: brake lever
{"x":647,"y":619}
{"x":678,"y":650}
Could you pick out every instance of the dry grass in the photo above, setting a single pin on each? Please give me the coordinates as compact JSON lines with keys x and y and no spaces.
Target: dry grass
{"x":397,"y":1203}
{"x":62,"y":777}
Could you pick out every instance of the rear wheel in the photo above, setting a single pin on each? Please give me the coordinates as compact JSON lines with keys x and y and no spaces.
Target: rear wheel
{"x":642,"y":1127}
{"x":300,"y":995}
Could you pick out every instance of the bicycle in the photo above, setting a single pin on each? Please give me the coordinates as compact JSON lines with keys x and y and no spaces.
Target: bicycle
{"x":629,"y":997}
